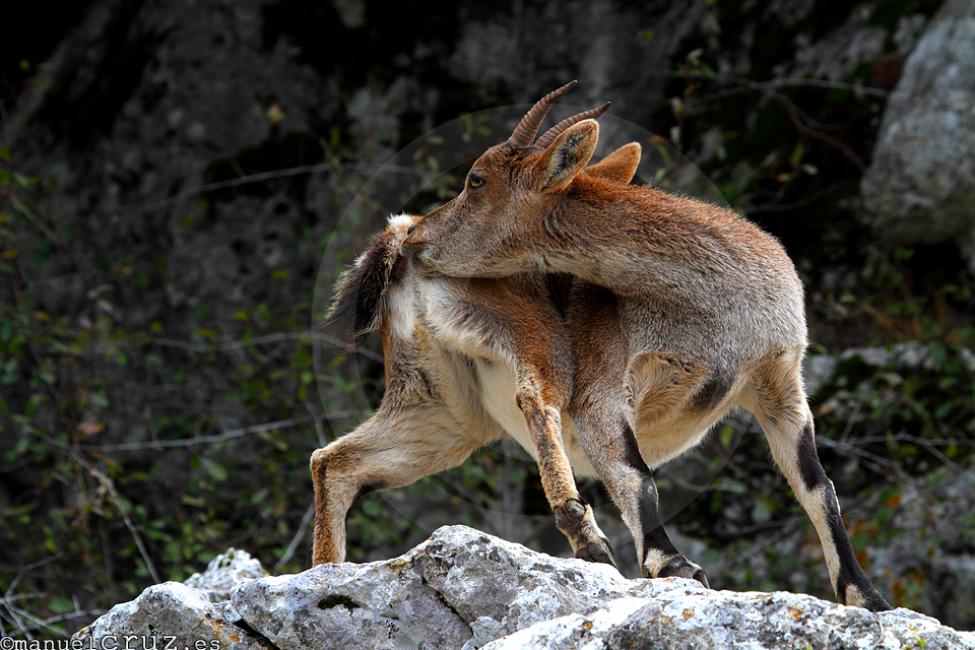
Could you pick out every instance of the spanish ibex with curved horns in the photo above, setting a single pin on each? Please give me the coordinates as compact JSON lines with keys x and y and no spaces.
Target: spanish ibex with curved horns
{"x":697,"y":311}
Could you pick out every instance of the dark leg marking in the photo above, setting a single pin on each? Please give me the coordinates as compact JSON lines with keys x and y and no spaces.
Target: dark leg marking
{"x":633,"y":457}
{"x":712,"y":391}
{"x":654,"y":535}
{"x":367,"y":488}
{"x":810,"y":468}
{"x":850,"y":573}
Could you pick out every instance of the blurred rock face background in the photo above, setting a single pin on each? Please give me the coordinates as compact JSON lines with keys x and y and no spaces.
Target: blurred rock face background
{"x":171,"y":174}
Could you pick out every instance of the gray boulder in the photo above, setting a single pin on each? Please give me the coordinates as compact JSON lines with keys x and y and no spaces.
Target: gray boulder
{"x":166,"y":612}
{"x":694,"y":618}
{"x":933,"y":543}
{"x":919,"y":185}
{"x":225,"y":572}
{"x":465,"y":589}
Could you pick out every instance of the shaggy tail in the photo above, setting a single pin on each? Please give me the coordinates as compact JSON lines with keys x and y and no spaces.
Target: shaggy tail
{"x":360,"y":291}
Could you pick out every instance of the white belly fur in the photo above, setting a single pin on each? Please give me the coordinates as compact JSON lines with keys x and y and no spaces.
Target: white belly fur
{"x":498,"y":389}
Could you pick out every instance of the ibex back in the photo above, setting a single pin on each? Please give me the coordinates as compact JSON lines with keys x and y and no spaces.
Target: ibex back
{"x":700,"y":311}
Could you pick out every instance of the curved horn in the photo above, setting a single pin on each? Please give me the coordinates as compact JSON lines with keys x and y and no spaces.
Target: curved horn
{"x":554,"y":132}
{"x":525,"y":132}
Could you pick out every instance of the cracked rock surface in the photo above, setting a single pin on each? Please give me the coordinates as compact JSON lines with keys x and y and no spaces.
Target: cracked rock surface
{"x":465,"y":589}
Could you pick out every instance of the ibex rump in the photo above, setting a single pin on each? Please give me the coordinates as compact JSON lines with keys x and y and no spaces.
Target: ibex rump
{"x":699,"y":311}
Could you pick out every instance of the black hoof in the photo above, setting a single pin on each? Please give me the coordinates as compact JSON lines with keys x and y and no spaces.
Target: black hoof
{"x":702,"y":577}
{"x":872,"y":600}
{"x":680,"y":567}
{"x":599,"y":551}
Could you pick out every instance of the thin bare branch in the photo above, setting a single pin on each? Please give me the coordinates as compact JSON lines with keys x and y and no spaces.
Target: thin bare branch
{"x":319,"y":429}
{"x":877,"y":462}
{"x":793,"y":112}
{"x":14,"y":614}
{"x":773,"y":84}
{"x":233,"y":434}
{"x":299,"y":536}
{"x":263,"y":177}
{"x":267,"y":339}
{"x":123,"y":511}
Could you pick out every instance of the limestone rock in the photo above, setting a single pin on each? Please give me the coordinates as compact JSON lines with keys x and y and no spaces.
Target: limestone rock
{"x":165,"y":611}
{"x":465,"y":589}
{"x":224,"y":572}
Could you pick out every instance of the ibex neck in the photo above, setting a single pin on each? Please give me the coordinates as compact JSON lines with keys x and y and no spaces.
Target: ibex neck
{"x":598,"y":232}
{"x":640,"y":241}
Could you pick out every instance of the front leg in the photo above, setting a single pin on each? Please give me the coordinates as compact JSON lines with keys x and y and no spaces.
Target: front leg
{"x":573,"y":516}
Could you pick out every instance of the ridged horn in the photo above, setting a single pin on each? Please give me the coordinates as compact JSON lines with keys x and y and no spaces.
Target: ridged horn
{"x":527,"y":128}
{"x":554,"y":132}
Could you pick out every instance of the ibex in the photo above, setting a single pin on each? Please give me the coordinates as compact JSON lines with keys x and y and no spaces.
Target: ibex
{"x":698,"y":311}
{"x":466,"y":361}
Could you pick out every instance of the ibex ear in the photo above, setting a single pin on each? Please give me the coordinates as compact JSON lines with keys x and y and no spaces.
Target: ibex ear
{"x":567,"y":155}
{"x":619,"y":166}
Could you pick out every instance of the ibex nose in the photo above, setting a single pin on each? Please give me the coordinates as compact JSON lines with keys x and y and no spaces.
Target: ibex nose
{"x":409,"y":247}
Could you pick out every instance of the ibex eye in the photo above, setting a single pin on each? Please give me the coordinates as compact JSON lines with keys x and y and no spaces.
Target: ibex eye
{"x":474,"y":181}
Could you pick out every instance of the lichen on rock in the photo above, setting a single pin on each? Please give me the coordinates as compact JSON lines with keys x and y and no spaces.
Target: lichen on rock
{"x":465,"y":589}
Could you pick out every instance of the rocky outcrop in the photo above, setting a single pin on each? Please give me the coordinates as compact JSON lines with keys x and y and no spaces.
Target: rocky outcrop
{"x":919,"y":185}
{"x":465,"y":589}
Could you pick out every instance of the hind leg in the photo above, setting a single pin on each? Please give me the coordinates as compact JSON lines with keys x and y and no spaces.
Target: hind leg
{"x":390,"y":449}
{"x":599,"y":412}
{"x":612,"y":448}
{"x":778,"y":401}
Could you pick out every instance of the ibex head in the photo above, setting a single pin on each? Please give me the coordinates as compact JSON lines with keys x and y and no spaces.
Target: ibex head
{"x":510,"y":183}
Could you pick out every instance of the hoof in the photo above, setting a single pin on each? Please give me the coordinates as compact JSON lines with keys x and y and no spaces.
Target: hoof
{"x":576,"y":521}
{"x":702,"y":577}
{"x":866,"y":597}
{"x":680,"y":567}
{"x":597,"y":551}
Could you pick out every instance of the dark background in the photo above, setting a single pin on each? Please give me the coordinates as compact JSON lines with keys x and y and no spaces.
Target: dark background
{"x":171,"y":174}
